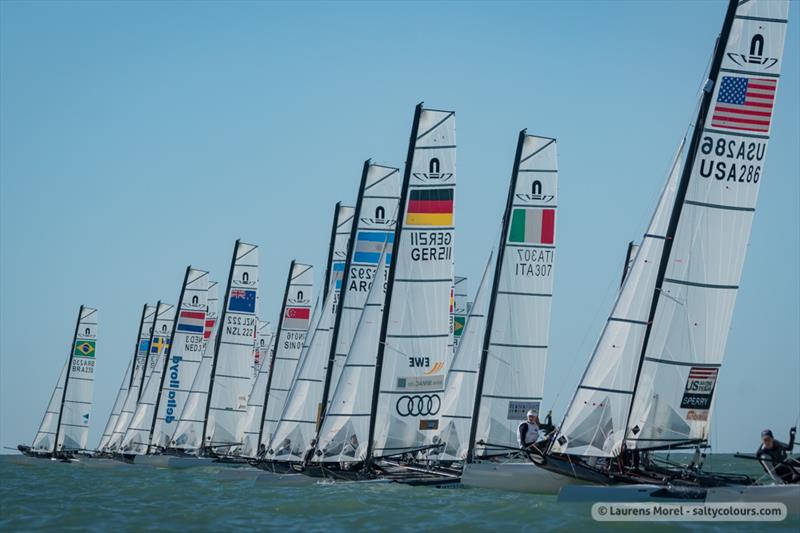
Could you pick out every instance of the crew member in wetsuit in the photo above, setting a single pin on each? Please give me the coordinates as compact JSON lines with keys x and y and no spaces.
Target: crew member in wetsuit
{"x":528,"y":430}
{"x":775,"y":451}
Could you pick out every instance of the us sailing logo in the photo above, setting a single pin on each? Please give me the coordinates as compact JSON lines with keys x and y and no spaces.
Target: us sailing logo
{"x":756,"y":56}
{"x":698,"y":392}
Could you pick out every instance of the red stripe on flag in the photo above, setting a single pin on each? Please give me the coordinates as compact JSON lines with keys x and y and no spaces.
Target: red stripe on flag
{"x":743,"y":111}
{"x":430,"y":206}
{"x":548,"y":225}
{"x":743,"y":120}
{"x":298,"y":312}
{"x":193,"y":314}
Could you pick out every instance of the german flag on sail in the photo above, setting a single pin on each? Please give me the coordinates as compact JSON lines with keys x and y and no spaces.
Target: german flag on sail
{"x":532,"y":226}
{"x":430,"y":207}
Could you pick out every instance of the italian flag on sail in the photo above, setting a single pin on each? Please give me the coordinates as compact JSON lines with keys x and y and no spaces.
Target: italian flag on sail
{"x":532,"y":226}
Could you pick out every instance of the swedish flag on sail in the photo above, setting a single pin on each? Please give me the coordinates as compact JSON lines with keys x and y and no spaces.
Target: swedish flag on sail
{"x":83,"y":349}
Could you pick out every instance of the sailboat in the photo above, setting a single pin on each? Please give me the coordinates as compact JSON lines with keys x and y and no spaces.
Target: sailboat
{"x":136,"y":440}
{"x":187,"y":440}
{"x":178,"y":367}
{"x":134,"y":388}
{"x":229,"y":382}
{"x":650,"y":383}
{"x":291,"y":334}
{"x":64,"y":430}
{"x":103,"y":447}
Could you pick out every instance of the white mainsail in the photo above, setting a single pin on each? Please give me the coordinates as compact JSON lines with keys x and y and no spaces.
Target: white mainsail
{"x":188,"y":435}
{"x":122,"y":394}
{"x":460,"y":309}
{"x":72,"y":433}
{"x":231,"y":369}
{"x":415,"y":334}
{"x":132,"y":397}
{"x":44,"y":441}
{"x":710,"y":228}
{"x":252,"y":425}
{"x":345,"y":428}
{"x":291,"y":336}
{"x":297,"y":427}
{"x":458,"y":400}
{"x":518,"y":325}
{"x":64,"y":423}
{"x":184,"y":356}
{"x":376,"y":214}
{"x":137,"y":437}
{"x":595,"y":419}
{"x":340,"y":237}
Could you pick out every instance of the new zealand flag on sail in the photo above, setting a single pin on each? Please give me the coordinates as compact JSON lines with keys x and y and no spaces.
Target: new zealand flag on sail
{"x":242,"y":301}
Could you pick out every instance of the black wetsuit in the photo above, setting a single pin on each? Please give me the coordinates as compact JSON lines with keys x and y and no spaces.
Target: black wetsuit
{"x":778,"y":455}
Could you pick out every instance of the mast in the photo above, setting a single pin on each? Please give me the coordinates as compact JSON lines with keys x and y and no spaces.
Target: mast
{"x":147,"y":355}
{"x":275,"y":353}
{"x":493,"y":296}
{"x":326,"y":281}
{"x":219,"y":341}
{"x":398,"y":228}
{"x":136,"y":348}
{"x":167,"y":354}
{"x":340,"y":304}
{"x":66,"y":379}
{"x":683,"y":186}
{"x":626,"y":265}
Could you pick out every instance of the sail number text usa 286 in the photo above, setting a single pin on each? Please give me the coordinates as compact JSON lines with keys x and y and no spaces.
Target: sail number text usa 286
{"x":240,"y":326}
{"x":731,"y":160}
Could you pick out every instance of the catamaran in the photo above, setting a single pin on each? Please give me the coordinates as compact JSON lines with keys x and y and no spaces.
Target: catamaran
{"x":64,"y":430}
{"x":650,"y":382}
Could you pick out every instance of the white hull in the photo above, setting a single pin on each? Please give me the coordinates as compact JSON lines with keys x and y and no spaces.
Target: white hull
{"x":172,"y":461}
{"x":518,"y":477}
{"x":787,"y":494}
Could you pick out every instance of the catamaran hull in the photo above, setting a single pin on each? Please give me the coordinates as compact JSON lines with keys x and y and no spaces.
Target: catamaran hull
{"x":102,"y":462}
{"x":173,"y":461}
{"x":285,"y":479}
{"x":787,"y":494}
{"x":517,"y":477}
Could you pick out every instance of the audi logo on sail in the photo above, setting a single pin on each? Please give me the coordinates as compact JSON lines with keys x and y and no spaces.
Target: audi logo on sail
{"x":418,"y":405}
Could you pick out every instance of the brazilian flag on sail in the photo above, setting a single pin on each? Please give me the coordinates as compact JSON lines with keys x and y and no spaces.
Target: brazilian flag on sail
{"x":83,"y":349}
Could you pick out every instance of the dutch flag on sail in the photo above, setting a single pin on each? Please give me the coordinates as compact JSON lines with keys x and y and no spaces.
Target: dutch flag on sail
{"x":191,"y":322}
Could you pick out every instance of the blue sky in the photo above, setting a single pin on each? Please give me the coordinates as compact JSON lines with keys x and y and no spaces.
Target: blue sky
{"x":136,"y":138}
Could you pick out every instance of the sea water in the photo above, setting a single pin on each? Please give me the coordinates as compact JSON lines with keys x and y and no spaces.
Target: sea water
{"x":50,"y":495}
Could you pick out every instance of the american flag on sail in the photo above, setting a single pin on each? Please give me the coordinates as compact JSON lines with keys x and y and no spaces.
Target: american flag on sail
{"x":744,"y":104}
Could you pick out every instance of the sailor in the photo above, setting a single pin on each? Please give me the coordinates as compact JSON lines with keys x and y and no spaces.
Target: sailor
{"x":309,"y":451}
{"x":262,"y":451}
{"x":528,"y":430}
{"x":349,"y":449}
{"x":775,"y":451}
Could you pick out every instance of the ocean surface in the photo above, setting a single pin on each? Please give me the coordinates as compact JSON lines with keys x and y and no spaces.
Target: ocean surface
{"x":48,"y":495}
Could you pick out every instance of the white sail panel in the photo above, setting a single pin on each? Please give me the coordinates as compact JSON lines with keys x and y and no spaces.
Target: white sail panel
{"x":292,"y":333}
{"x":137,"y":437}
{"x":117,"y":407}
{"x":686,"y":347}
{"x":73,"y":432}
{"x":343,"y":222}
{"x":44,"y":441}
{"x":377,"y":216}
{"x":344,"y":432}
{"x":416,"y":337}
{"x":184,"y":356}
{"x":295,"y":432}
{"x":255,"y":403}
{"x":132,"y":397}
{"x":188,"y":435}
{"x":232,"y":367}
{"x":595,"y":420}
{"x":462,"y":378}
{"x":513,"y":380}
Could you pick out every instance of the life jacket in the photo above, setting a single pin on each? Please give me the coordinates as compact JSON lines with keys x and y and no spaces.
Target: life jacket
{"x":527,"y":433}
